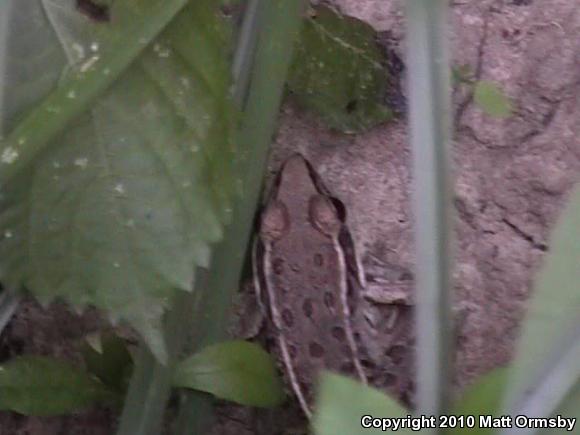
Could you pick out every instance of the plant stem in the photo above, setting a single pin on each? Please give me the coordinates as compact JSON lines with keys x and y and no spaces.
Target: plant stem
{"x":151,"y":382}
{"x":430,"y":114}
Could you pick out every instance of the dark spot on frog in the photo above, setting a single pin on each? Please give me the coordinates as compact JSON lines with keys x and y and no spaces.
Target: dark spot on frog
{"x":522,"y":2}
{"x":292,"y":351}
{"x":94,"y":10}
{"x":278,"y":266}
{"x":396,"y":353}
{"x":287,"y":317}
{"x":367,"y":364}
{"x":318,"y":260}
{"x":308,"y":307}
{"x":315,"y":350}
{"x":338,"y":333}
{"x":329,"y":300}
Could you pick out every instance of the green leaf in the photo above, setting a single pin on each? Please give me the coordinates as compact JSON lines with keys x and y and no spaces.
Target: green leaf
{"x":484,"y":397}
{"x":489,"y":97}
{"x":136,"y":179}
{"x":236,"y":370}
{"x":343,"y":402}
{"x":36,"y":385}
{"x":32,"y":59}
{"x":550,"y":329}
{"x":339,"y":71}
{"x":107,"y":357}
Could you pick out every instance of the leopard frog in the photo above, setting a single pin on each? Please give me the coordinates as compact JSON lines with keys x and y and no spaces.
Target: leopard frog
{"x":308,"y":280}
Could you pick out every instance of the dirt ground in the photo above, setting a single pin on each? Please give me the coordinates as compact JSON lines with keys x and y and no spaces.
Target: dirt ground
{"x":511,"y":180}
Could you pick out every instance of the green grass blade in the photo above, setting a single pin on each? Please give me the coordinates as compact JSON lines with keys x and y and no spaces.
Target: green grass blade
{"x":151,"y":382}
{"x":560,"y":377}
{"x":545,"y":378}
{"x":429,"y":97}
{"x":245,"y":50}
{"x":278,"y":24}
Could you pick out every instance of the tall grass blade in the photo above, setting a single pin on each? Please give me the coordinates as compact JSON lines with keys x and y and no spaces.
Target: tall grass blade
{"x":151,"y":382}
{"x":545,"y":378}
{"x":560,"y":376}
{"x":429,"y":98}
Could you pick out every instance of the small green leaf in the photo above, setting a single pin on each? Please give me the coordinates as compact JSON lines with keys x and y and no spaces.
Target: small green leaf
{"x":491,"y":99}
{"x":343,"y":402}
{"x":236,"y":370}
{"x":107,"y":357}
{"x":484,"y":397}
{"x":37,"y":385}
{"x":340,"y":72}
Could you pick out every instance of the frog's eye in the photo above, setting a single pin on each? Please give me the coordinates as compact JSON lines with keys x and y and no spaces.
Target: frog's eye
{"x":275,"y":221}
{"x":324,"y":215}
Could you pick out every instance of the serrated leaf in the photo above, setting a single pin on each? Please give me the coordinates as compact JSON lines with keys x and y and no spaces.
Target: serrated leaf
{"x":236,"y":370}
{"x":339,"y":71}
{"x":122,"y":205}
{"x":107,"y":357}
{"x":36,"y":385}
{"x":342,"y":403}
{"x":551,"y":326}
{"x":489,"y":97}
{"x":484,"y":397}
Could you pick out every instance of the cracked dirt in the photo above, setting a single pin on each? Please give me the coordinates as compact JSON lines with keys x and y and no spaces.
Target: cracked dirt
{"x":512,"y":176}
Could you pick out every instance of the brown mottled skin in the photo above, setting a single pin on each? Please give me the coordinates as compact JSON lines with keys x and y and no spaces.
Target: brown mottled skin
{"x":303,"y":280}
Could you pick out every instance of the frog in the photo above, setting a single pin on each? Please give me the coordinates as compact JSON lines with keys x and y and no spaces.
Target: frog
{"x":308,"y":280}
